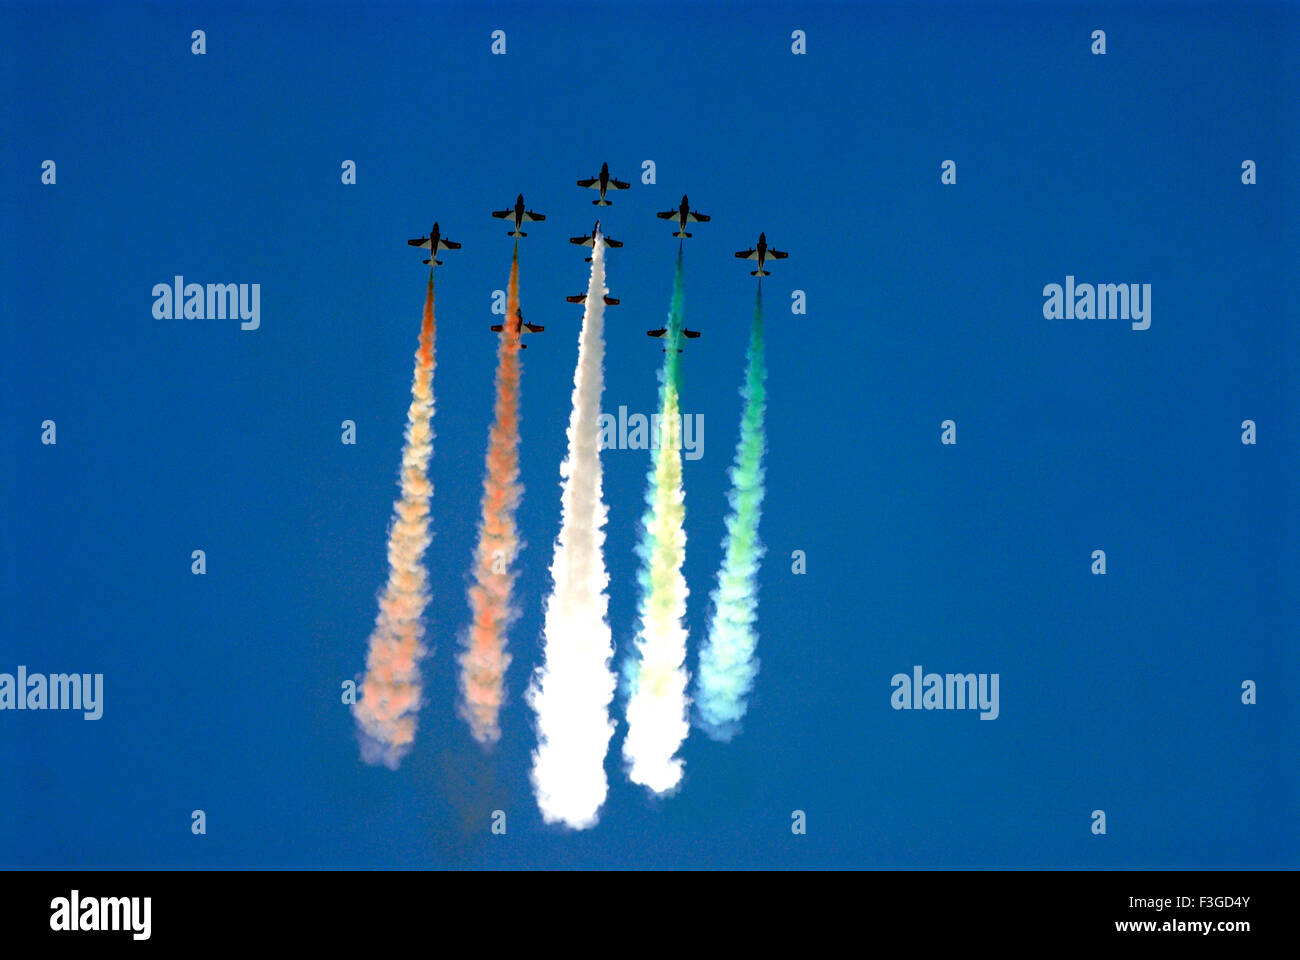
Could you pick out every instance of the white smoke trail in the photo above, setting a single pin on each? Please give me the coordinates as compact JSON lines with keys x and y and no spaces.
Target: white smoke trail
{"x":573,"y":687}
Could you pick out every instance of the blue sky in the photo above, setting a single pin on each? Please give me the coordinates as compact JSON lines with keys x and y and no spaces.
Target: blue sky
{"x":1119,"y":693}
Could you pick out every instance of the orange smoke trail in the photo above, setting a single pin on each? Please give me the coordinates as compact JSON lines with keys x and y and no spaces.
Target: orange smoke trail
{"x":390,"y":698}
{"x":484,"y":661}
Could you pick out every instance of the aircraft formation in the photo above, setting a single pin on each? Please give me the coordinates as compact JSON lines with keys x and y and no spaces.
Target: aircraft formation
{"x":575,"y":682}
{"x":519,"y":214}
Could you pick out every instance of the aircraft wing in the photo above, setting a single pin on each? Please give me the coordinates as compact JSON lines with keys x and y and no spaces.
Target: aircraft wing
{"x":421,"y":242}
{"x":777,"y":254}
{"x":618,"y":184}
{"x":750,"y":254}
{"x":656,"y":333}
{"x":503,"y":214}
{"x":667,"y":215}
{"x":691,"y":333}
{"x":610,"y":242}
{"x":593,"y":182}
{"x":445,"y":244}
{"x":581,"y":241}
{"x":530,"y":216}
{"x":533,"y":328}
{"x":496,"y":327}
{"x":695,"y":217}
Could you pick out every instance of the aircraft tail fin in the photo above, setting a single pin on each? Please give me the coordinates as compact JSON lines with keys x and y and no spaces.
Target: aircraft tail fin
{"x":436,"y":263}
{"x":681,"y":233}
{"x":760,"y":273}
{"x":602,"y":203}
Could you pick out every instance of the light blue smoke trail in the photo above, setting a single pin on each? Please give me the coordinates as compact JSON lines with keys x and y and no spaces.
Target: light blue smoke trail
{"x":727,"y":661}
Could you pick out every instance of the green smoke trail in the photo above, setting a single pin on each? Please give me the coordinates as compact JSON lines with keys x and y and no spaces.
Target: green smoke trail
{"x":727,"y":662}
{"x":656,"y":709}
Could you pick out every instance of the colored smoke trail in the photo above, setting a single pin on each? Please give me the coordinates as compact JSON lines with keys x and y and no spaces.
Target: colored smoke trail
{"x":656,"y":709}
{"x":727,"y":662}
{"x":573,"y":687}
{"x":483,"y":663}
{"x":390,"y":698}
